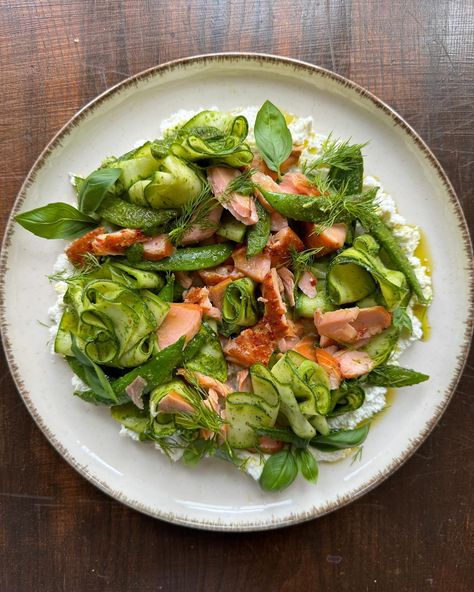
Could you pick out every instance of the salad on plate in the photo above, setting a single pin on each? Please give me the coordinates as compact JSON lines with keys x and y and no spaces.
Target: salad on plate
{"x":237,"y":288}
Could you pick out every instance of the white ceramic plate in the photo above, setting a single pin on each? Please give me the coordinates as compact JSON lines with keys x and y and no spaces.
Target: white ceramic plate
{"x":215,"y":495}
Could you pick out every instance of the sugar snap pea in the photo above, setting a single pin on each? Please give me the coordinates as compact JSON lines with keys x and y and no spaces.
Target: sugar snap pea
{"x":306,"y":208}
{"x":128,"y":215}
{"x":191,"y":258}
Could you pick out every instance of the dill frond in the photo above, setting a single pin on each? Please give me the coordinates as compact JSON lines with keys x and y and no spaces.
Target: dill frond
{"x":242,"y":184}
{"x":195,"y":213}
{"x":89,"y":264}
{"x":334,"y":153}
{"x":203,"y":417}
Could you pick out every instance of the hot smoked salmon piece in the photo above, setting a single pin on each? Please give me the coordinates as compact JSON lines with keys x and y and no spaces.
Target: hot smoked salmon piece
{"x":330,"y":365}
{"x":240,"y":206}
{"x":182,"y":319}
{"x":281,"y":244}
{"x":116,"y":243}
{"x":353,"y":364}
{"x":353,"y":326}
{"x":328,"y":240}
{"x":82,"y":245}
{"x":256,"y":267}
{"x":173,"y":402}
{"x":158,"y":248}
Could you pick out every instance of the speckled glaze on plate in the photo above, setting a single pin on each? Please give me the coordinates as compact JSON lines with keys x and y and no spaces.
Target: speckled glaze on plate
{"x":215,"y":496}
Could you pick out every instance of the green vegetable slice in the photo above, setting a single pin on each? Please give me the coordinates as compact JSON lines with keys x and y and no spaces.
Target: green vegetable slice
{"x":214,"y":138}
{"x":258,"y":234}
{"x":191,"y":258}
{"x":347,"y":281}
{"x":245,"y":412}
{"x":129,"y":215}
{"x":204,"y":354}
{"x":239,"y":306}
{"x":374,"y":225}
{"x":173,"y":184}
{"x":155,"y":372}
{"x":348,"y":397}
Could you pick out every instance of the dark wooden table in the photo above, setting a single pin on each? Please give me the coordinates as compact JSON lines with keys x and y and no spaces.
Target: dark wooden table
{"x":414,"y":532}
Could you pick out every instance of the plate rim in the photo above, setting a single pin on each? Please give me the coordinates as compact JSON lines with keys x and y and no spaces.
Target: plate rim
{"x":244,"y":57}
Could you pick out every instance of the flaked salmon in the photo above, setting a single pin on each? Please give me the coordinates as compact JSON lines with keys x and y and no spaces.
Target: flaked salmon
{"x":256,"y":267}
{"x":197,"y":234}
{"x":330,"y":365}
{"x":329,"y":240}
{"x":353,"y":364}
{"x":353,"y":326}
{"x":242,"y":207}
{"x":181,"y":320}
{"x":200,"y":296}
{"x":116,"y":243}
{"x":158,"y":248}
{"x":288,"y":280}
{"x":83,"y":245}
{"x":215,"y":275}
{"x":174,"y":402}
{"x":307,"y":284}
{"x":280,"y":246}
{"x":298,"y":184}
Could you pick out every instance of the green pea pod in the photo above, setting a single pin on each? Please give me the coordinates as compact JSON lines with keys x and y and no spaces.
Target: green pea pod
{"x":306,"y":208}
{"x":128,"y":215}
{"x":190,"y":259}
{"x":239,"y":306}
{"x":382,"y":233}
{"x":257,"y":235}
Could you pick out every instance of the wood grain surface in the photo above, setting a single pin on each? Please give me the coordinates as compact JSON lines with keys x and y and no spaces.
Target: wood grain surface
{"x":414,"y":532}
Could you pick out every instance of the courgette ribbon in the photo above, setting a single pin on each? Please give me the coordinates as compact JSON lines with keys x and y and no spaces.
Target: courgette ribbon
{"x":213,"y":137}
{"x":240,"y":306}
{"x":113,"y":324}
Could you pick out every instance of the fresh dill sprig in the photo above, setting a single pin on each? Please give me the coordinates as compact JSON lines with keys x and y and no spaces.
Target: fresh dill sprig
{"x":203,"y":417}
{"x":241,"y":184}
{"x":195,"y":213}
{"x":357,"y":456}
{"x":339,"y":207}
{"x":89,"y":264}
{"x":301,"y":261}
{"x":334,"y":153}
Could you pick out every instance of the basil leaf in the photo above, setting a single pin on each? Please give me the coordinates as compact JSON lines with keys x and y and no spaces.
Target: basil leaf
{"x":307,"y":465}
{"x":95,"y":187}
{"x":401,"y":320}
{"x":56,"y":220}
{"x":279,"y":471}
{"x":272,"y":136}
{"x":93,"y":375}
{"x":394,"y":376}
{"x":341,"y":439}
{"x":283,"y":435}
